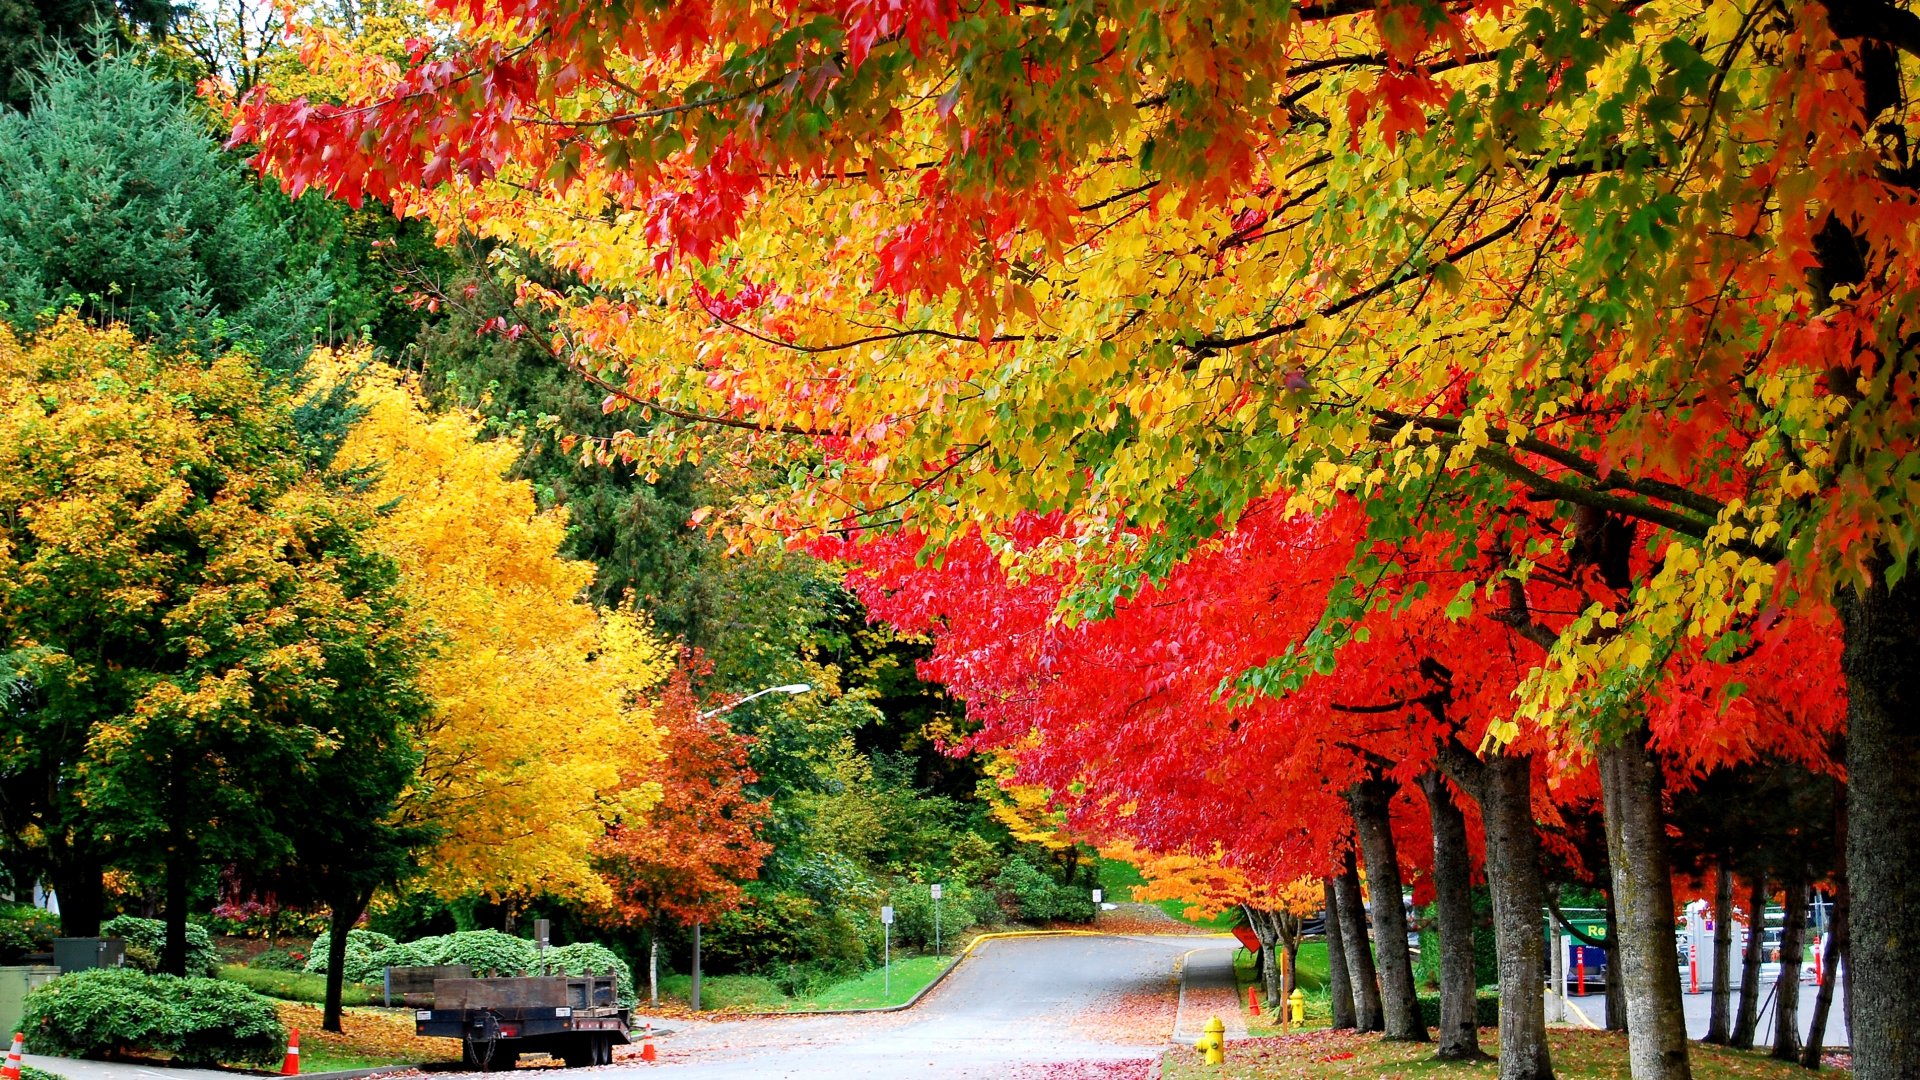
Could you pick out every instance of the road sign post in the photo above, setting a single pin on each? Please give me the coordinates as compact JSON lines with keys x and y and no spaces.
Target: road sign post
{"x":886,"y":952}
{"x":936,"y":920}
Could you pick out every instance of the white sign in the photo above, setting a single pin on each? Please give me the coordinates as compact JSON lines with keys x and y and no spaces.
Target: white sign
{"x":936,"y":892}
{"x":886,"y":914}
{"x":1096,"y":896}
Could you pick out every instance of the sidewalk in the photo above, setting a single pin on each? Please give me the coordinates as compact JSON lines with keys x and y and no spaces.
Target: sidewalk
{"x":1207,"y":989}
{"x":77,"y":1069}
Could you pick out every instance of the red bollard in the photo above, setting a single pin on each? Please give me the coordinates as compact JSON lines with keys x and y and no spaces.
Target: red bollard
{"x":1582,"y":967}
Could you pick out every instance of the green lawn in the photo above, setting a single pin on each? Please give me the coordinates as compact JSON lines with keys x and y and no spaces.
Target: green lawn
{"x":867,"y":991}
{"x":1341,"y":1055}
{"x":1117,"y":879}
{"x":870,"y":990}
{"x":292,"y":985}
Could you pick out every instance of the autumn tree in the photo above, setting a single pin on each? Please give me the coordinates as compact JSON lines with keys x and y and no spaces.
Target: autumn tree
{"x":206,"y":634}
{"x":1645,"y":266}
{"x":1207,"y":886}
{"x":541,"y":701}
{"x":684,"y":859}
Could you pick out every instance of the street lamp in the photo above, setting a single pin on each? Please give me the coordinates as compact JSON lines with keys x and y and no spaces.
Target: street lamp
{"x":796,"y":688}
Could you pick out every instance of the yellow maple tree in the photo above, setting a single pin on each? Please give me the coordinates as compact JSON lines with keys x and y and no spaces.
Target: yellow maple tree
{"x":1208,"y":886}
{"x":541,"y":698}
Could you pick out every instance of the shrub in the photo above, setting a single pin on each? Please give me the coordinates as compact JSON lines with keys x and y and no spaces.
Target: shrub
{"x":913,"y":914}
{"x":147,"y":942}
{"x":292,"y":985}
{"x":584,"y":956}
{"x":223,"y":1021}
{"x":119,"y":1010}
{"x":1033,"y":895}
{"x":1486,"y":1009}
{"x":278,"y":960}
{"x":770,"y":931}
{"x":24,"y":929}
{"x":361,"y":945}
{"x":488,"y":952}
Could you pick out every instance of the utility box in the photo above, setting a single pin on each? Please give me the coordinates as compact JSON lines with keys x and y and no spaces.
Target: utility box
{"x":14,"y":984}
{"x":72,"y":954}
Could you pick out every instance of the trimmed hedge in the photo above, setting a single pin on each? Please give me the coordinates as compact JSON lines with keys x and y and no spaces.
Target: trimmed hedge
{"x":488,"y":952}
{"x":147,"y":941}
{"x":1486,"y":1006}
{"x":584,"y":956}
{"x":109,"y":1011}
{"x":361,"y":947}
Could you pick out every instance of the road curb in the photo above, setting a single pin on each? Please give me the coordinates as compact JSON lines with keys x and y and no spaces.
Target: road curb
{"x":360,"y":1074}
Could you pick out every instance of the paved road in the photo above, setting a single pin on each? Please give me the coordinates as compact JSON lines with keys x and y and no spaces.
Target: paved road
{"x":1053,"y":1007}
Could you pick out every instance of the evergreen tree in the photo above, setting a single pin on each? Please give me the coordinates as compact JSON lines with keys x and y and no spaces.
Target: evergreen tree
{"x":114,"y":198}
{"x":32,"y":29}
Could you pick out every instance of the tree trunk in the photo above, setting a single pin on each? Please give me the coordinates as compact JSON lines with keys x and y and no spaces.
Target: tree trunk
{"x":1503,"y":786}
{"x":344,"y":911}
{"x":1453,"y":907}
{"x":173,"y":955}
{"x":653,"y":965}
{"x":75,"y":876}
{"x":1717,"y":1018}
{"x":1265,"y":928}
{"x":1881,"y":627}
{"x":1643,"y":894}
{"x":1370,"y":800}
{"x":1786,"y":990}
{"x":1615,"y":987}
{"x":1749,"y":1016}
{"x":1360,"y":974}
{"x":1837,"y":933}
{"x":1270,"y":978}
{"x":1338,"y":987}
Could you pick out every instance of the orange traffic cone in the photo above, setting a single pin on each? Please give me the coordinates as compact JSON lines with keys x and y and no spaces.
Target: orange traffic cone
{"x":1253,"y":1002}
{"x":292,"y":1067}
{"x":646,"y":1044}
{"x":12,"y":1071}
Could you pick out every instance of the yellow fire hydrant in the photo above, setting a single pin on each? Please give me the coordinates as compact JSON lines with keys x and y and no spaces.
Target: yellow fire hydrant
{"x":1297,"y":1006}
{"x":1214,"y":1043}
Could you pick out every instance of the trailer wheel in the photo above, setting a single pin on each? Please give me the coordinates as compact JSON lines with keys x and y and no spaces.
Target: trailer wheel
{"x":606,"y":1049}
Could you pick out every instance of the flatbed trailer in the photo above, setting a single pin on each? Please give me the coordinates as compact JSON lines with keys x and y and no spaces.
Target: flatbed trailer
{"x":576,"y":1018}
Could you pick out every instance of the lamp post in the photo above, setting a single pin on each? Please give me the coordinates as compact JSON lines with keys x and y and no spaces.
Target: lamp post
{"x":795,"y":688}
{"x":792,"y":688}
{"x":936,"y":920}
